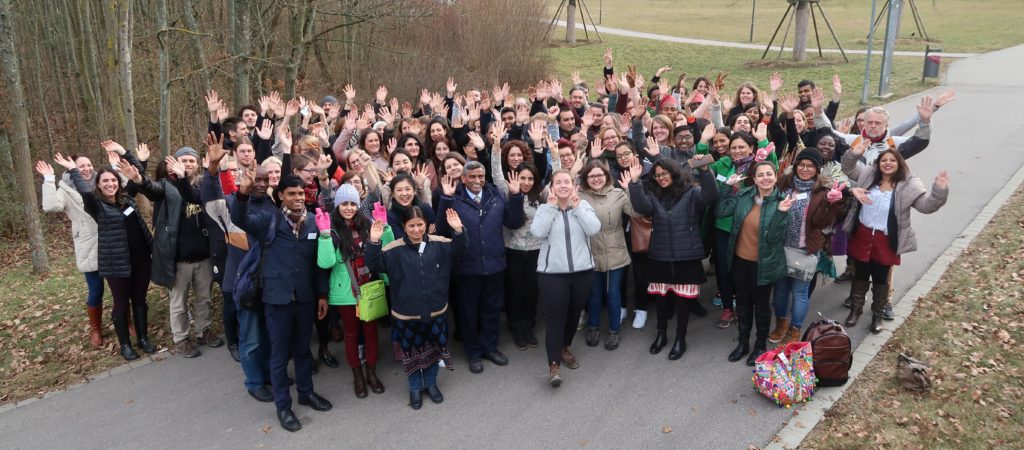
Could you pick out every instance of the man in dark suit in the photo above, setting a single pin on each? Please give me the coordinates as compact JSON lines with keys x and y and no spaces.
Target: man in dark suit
{"x":293,"y":289}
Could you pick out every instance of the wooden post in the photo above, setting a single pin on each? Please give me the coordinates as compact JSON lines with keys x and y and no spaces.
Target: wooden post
{"x":803,"y":18}
{"x":570,"y":22}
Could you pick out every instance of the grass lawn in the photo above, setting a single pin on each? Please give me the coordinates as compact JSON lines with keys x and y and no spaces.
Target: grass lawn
{"x":969,"y":26}
{"x":44,"y":331}
{"x":970,"y":327}
{"x":744,"y":65}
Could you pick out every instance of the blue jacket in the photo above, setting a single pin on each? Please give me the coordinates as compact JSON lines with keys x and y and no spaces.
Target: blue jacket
{"x":482,"y":224}
{"x":217,"y":207}
{"x":419,"y":279}
{"x":290,"y":271}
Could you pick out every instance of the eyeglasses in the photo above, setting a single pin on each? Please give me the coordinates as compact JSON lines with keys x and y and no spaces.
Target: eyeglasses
{"x":662,"y":175}
{"x":624,"y":156}
{"x":596,"y":176}
{"x":310,"y":171}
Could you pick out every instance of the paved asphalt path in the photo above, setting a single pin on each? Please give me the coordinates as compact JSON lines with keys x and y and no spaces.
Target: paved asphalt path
{"x":619,"y":399}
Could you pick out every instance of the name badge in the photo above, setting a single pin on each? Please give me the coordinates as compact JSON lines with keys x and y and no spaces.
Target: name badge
{"x":801,"y":196}
{"x":128,"y":211}
{"x":311,"y":236}
{"x":721,"y":178}
{"x":423,"y":246}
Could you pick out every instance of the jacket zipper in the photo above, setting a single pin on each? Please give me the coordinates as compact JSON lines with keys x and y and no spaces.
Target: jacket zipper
{"x":568,"y":241}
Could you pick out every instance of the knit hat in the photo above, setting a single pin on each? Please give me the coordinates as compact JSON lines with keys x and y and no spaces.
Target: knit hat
{"x":186,"y":151}
{"x":811,"y":154}
{"x":329,"y":99}
{"x":667,"y":100}
{"x":346,"y":193}
{"x":697,"y":98}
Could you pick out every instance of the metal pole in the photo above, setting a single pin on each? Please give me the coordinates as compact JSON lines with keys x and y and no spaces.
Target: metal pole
{"x":867,"y":64}
{"x":754,"y":8}
{"x":891,"y":31}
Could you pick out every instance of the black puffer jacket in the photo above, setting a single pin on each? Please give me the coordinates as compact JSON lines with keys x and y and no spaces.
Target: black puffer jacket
{"x":114,"y":254}
{"x":675,"y":233}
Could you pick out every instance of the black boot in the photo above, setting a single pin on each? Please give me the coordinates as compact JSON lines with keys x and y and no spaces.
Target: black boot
{"x":858,"y":292}
{"x":123,"y":339}
{"x":879,"y":299}
{"x":531,"y":340}
{"x":760,"y":346}
{"x":659,"y":342}
{"x":741,"y":349}
{"x":141,"y":315}
{"x":519,"y":336}
{"x":743,"y":325}
{"x":678,"y":348}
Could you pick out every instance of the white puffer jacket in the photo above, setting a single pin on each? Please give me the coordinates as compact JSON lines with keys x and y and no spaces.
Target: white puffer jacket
{"x":64,"y":198}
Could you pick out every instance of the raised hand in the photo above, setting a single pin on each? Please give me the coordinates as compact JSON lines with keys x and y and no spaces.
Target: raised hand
{"x":735,"y":179}
{"x":861,"y":195}
{"x":112,"y":146}
{"x":624,"y":179}
{"x":43,"y":168}
{"x":513,"y":183}
{"x":600,"y":88}
{"x":215,"y":148}
{"x":350,"y":92}
{"x":387,"y":116}
{"x":245,"y":184}
{"x":419,"y":174}
{"x":291,"y":109}
{"x":448,"y":185}
{"x":788,"y":103}
{"x":324,"y":162}
{"x":382,"y":95}
{"x":66,"y":163}
{"x":861,"y":146}
{"x":392,"y":145}
{"x":323,"y":221}
{"x":175,"y":167}
{"x":761,"y":132}
{"x":424,"y":97}
{"x":575,"y":198}
{"x":552,"y":199}
{"x":776,"y":82}
{"x":316,"y":109}
{"x":284,"y":135}
{"x":223,"y":112}
{"x":707,"y":133}
{"x":836,"y":193}
{"x":845,"y":125}
{"x":945,"y":97}
{"x":635,"y":170}
{"x":817,"y":99}
{"x":451,"y":86}
{"x":212,"y":102}
{"x":264,"y":102}
{"x":608,"y":57}
{"x":942,"y":179}
{"x":662,"y":71}
{"x":377,"y":230}
{"x":406,"y":109}
{"x":653,"y":148}
{"x":478,"y":142}
{"x":575,"y":77}
{"x":837,"y":87}
{"x":787,"y":203}
{"x":595,"y":148}
{"x":587,"y":119}
{"x":266,"y":130}
{"x":925,"y":109}
{"x":454,"y":221}
{"x":720,"y":80}
{"x":276,"y":105}
{"x":129,"y":171}
{"x":142,"y":151}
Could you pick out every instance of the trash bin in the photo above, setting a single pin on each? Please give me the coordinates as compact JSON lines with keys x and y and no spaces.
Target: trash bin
{"x":931,"y":63}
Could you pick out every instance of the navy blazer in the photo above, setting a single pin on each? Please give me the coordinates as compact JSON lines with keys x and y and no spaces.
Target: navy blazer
{"x":483,"y":223}
{"x":290,"y":272}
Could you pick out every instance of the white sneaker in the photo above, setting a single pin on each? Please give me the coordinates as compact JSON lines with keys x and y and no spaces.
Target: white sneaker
{"x":639,"y":319}
{"x":583,"y":321}
{"x":622,"y":317}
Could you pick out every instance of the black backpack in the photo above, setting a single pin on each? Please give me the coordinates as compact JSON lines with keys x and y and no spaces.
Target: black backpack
{"x":833,"y":352}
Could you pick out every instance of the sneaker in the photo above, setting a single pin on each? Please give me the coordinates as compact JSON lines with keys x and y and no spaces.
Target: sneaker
{"x":554,"y":377}
{"x":726,"y":319}
{"x":613,"y":341}
{"x":583,"y":321}
{"x":888,"y":314}
{"x":717,"y":301}
{"x":593,"y":336}
{"x":639,"y":319}
{"x":622,"y":315}
{"x":210,"y":339}
{"x":187,"y":349}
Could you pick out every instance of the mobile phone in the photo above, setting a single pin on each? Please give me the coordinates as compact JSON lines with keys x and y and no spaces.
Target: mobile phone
{"x":698,"y":163}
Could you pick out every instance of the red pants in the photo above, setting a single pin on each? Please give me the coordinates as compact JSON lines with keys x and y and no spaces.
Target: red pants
{"x":352,"y":325}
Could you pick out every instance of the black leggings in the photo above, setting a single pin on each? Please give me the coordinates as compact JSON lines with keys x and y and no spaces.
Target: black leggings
{"x":877,"y":273}
{"x":752,"y":300}
{"x":521,"y":286}
{"x":563,"y":297}
{"x":130,"y":291}
{"x":640,"y":281}
{"x":674,"y":303}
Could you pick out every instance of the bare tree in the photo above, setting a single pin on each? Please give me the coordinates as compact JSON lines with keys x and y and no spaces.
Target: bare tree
{"x":21,"y":155}
{"x":124,"y":65}
{"x":164,"y":84}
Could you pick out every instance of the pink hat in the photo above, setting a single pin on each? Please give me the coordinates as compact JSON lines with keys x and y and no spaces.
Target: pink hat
{"x":668,"y":100}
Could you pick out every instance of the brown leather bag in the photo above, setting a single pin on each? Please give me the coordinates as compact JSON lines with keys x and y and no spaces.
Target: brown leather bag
{"x":833,"y":352}
{"x":913,"y":374}
{"x":640,"y":233}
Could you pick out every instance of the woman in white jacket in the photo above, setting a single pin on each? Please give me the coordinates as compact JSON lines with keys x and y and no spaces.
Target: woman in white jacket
{"x":565,"y":267}
{"x":62,"y":197}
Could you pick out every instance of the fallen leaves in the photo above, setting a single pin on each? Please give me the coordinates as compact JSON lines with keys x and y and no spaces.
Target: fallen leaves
{"x":666,"y":429}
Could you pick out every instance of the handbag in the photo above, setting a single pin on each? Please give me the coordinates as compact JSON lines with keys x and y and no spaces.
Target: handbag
{"x":640,"y":233}
{"x":786,"y":374}
{"x":800,"y":264}
{"x":912,"y":374}
{"x":373,"y":302}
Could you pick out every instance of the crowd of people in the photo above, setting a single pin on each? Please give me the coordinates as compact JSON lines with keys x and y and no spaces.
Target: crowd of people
{"x":347,"y":219}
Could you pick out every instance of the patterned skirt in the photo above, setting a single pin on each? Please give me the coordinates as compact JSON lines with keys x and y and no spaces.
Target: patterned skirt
{"x":420,"y":344}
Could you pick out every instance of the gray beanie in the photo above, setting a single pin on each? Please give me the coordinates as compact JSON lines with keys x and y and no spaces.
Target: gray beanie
{"x":329,"y":99}
{"x":186,"y":151}
{"x":346,"y":193}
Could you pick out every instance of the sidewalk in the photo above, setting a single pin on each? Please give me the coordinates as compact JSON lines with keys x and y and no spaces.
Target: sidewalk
{"x":620,"y":399}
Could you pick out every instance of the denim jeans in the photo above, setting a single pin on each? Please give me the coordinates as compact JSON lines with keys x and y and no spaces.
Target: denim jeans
{"x":253,"y":348}
{"x":423,"y":379}
{"x":95,"y":283}
{"x":606,"y":284}
{"x":801,"y":300}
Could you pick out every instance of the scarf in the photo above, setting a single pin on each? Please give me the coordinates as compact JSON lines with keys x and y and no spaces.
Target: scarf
{"x":295,"y":218}
{"x":311,"y":190}
{"x":796,"y":234}
{"x":881,"y":138}
{"x":742,"y":164}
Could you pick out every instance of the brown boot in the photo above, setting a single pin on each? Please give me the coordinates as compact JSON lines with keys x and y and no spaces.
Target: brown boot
{"x":371,"y":379}
{"x":858,"y":290}
{"x":96,"y":326}
{"x":779,"y":333}
{"x":793,"y":335}
{"x":879,"y":298}
{"x":358,"y":382}
{"x":554,"y":377}
{"x":569,"y":359}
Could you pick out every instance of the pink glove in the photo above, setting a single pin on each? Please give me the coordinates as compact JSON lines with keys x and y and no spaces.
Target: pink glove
{"x":323,"y":220}
{"x":379,"y":213}
{"x":836,"y":193}
{"x":762,"y":154}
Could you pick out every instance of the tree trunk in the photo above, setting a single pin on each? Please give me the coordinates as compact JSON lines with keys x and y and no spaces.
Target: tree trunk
{"x":803,"y":20}
{"x":124,"y":65}
{"x":19,"y":123}
{"x":39,"y":87}
{"x":197,"y":46}
{"x":301,"y":27}
{"x":164,"y":87}
{"x":570,"y":22}
{"x":110,"y":32}
{"x":92,"y":95}
{"x":239,"y":25}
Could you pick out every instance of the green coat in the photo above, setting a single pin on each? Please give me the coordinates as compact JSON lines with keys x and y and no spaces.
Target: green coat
{"x":723,"y":169}
{"x":328,"y":257}
{"x":771,"y":257}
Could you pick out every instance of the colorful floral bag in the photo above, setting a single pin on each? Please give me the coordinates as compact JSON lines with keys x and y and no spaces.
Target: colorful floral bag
{"x":786,"y":374}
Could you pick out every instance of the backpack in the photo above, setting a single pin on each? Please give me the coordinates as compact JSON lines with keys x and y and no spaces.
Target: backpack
{"x":833,"y":354}
{"x":249,"y":283}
